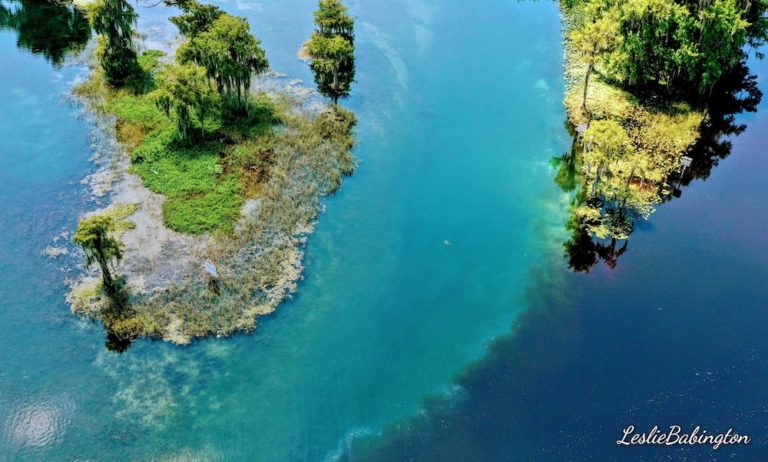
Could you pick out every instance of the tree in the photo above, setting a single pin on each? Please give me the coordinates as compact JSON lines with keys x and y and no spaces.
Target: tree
{"x":52,"y":29}
{"x":197,"y":17}
{"x":182,"y":90}
{"x":605,"y":143}
{"x":596,"y":38}
{"x":114,"y":21}
{"x":332,"y":51}
{"x":681,"y":46}
{"x":331,"y":18}
{"x":230,"y":56}
{"x":331,"y":63}
{"x":95,"y":235}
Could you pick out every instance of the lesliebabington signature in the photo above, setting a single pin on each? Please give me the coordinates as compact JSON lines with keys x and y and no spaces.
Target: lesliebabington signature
{"x":675,"y":436}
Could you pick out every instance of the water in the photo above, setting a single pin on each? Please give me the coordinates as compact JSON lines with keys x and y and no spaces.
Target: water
{"x":449,"y":232}
{"x":423,"y":256}
{"x":673,"y":336}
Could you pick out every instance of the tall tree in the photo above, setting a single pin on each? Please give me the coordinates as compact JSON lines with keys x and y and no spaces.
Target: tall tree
{"x":332,"y":50}
{"x":605,"y":142}
{"x":114,"y":21}
{"x":332,"y":18}
{"x":683,"y":46}
{"x":182,"y":90}
{"x":596,"y":38}
{"x":230,"y":56}
{"x":95,"y":235}
{"x":196,"y":17}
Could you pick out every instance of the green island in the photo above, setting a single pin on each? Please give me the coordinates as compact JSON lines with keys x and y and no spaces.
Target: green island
{"x":238,"y":171}
{"x":643,"y":78}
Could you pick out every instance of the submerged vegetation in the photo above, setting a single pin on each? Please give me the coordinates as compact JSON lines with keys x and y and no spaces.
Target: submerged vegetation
{"x":644,"y":78}
{"x":245,"y":169}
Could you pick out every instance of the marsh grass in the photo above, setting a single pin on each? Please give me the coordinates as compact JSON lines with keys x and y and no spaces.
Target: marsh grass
{"x":260,"y":264}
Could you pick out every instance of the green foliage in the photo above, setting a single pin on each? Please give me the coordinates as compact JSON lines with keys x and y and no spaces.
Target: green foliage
{"x":51,"y":28}
{"x":196,"y":18}
{"x":200,"y":196}
{"x":331,"y":18}
{"x":216,"y":210}
{"x":332,"y":51}
{"x":674,"y":47}
{"x":261,"y":115}
{"x":230,"y":56}
{"x":183,"y":92}
{"x":595,"y":38}
{"x":656,"y":62}
{"x":95,"y":234}
{"x":205,"y":180}
{"x":136,"y":109}
{"x":114,"y":21}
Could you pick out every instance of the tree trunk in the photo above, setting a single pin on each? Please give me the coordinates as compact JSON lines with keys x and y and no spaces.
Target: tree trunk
{"x":106,"y":278}
{"x":586,"y":85}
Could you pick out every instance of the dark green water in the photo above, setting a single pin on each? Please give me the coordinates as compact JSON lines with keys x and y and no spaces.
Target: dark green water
{"x":449,"y":233}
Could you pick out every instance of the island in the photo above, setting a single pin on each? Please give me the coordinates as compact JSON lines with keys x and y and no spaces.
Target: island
{"x":215,"y":182}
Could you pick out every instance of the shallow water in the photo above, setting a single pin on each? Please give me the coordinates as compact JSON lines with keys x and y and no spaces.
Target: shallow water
{"x":424,"y":255}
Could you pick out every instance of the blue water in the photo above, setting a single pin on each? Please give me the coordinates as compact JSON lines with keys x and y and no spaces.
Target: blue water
{"x":398,"y":345}
{"x":675,"y":335}
{"x":426,"y":253}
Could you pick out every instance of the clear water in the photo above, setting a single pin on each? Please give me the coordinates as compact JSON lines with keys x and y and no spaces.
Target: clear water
{"x":675,"y":335}
{"x":425,"y":254}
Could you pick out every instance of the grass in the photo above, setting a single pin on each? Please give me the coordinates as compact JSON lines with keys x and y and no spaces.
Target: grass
{"x":205,"y":182}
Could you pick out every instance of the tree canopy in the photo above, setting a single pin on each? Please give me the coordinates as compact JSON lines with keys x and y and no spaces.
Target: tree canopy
{"x":196,"y":18}
{"x":331,"y":18}
{"x":596,"y":38}
{"x":229,"y":54}
{"x":672,"y":46}
{"x":95,"y":235}
{"x":182,"y":90}
{"x":114,"y":20}
{"x":332,"y":50}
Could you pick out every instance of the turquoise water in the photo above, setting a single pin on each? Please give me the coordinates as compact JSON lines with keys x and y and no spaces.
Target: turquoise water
{"x":675,"y":335}
{"x":425,"y":254}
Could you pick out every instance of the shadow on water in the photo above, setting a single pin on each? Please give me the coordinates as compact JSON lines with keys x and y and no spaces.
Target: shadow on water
{"x":620,"y":216}
{"x":53,"y":29}
{"x":590,"y":357}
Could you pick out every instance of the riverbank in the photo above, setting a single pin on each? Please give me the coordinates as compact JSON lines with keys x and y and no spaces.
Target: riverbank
{"x":244,"y":196}
{"x":628,"y":145}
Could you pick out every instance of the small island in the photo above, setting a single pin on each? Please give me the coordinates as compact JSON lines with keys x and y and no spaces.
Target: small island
{"x":216,"y":184}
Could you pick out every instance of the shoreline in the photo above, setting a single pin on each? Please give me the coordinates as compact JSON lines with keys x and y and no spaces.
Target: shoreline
{"x":169,"y":297}
{"x":626,"y":153}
